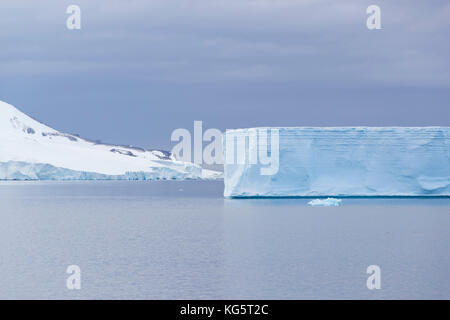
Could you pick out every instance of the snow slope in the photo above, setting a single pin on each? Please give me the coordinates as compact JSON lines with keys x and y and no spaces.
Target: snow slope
{"x":347,"y":161}
{"x":30,"y":150}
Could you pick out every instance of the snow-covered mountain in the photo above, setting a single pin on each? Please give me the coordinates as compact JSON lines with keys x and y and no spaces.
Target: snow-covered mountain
{"x":30,"y":150}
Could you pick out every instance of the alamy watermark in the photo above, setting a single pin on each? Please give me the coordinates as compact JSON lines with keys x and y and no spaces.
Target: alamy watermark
{"x":73,"y":22}
{"x":73,"y":281}
{"x":374,"y":280}
{"x":374,"y":20}
{"x":258,"y":146}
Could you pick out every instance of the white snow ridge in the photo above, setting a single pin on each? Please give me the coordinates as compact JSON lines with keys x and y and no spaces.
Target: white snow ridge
{"x":30,"y":150}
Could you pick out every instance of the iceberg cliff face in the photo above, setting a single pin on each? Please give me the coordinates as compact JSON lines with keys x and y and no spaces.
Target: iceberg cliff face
{"x":30,"y":150}
{"x":346,"y":161}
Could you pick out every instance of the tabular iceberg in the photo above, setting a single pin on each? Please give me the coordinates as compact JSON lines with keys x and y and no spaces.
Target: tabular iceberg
{"x":341,"y":161}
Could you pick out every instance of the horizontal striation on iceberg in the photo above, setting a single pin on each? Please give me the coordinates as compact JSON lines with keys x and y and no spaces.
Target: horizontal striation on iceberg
{"x":338,"y":161}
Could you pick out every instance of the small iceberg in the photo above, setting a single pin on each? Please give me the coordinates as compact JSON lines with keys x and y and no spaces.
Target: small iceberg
{"x":328,"y":202}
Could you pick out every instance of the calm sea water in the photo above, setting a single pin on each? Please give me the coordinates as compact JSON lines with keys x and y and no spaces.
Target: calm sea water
{"x":182,"y":240}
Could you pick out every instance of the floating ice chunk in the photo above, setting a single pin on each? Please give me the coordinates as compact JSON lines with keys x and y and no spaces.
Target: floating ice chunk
{"x":329,"y":202}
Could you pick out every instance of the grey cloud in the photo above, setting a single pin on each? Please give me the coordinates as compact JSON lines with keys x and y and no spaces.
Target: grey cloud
{"x":287,"y":40}
{"x":274,"y":62}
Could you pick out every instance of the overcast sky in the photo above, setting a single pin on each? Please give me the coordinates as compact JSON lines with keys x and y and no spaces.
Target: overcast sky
{"x":139,"y":69}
